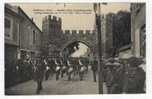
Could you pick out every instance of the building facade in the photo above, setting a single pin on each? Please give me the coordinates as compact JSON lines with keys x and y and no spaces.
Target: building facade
{"x":30,"y":37}
{"x":22,"y":41}
{"x":22,"y":36}
{"x":138,"y":29}
{"x":12,"y":30}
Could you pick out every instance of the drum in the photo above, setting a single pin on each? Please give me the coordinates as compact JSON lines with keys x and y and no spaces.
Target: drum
{"x":57,"y":68}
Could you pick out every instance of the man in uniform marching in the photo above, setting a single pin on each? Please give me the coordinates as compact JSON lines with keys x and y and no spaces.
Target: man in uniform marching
{"x":39,"y":74}
{"x":94,"y":69}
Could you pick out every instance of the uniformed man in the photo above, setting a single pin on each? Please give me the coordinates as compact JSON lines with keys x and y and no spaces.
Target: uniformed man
{"x":58,"y":68}
{"x":94,"y":69}
{"x":48,"y":69}
{"x":82,"y":70}
{"x":39,"y":74}
{"x":70,"y":69}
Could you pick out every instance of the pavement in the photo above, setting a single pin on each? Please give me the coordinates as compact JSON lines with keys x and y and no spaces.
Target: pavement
{"x":60,"y":87}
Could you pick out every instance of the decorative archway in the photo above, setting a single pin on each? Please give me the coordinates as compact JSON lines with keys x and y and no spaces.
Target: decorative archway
{"x":87,"y":43}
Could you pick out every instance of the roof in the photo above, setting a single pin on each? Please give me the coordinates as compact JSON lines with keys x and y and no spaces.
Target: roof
{"x":21,"y":10}
{"x":12,"y":9}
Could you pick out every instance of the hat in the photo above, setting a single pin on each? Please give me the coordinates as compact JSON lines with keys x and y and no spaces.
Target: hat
{"x":134,"y":61}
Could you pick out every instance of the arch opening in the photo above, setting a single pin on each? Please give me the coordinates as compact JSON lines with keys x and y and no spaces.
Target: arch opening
{"x":77,"y":49}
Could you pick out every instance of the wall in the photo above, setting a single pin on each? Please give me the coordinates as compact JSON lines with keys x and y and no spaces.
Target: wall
{"x":138,"y":20}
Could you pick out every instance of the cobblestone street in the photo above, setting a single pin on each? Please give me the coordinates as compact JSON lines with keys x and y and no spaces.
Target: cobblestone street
{"x":60,"y":87}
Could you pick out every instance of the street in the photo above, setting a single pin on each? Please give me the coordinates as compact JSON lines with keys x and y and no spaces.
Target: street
{"x":60,"y":87}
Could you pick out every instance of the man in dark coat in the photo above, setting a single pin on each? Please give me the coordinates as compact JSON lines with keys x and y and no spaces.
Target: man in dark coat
{"x":117,"y":83}
{"x":94,"y":69}
{"x":52,"y":66}
{"x":134,"y":77}
{"x":39,"y":74}
{"x":109,"y":79}
{"x":114,"y":75}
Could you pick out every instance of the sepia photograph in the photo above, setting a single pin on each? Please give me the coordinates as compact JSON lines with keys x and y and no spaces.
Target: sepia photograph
{"x":74,"y":48}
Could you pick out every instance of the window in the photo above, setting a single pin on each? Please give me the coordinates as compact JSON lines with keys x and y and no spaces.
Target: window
{"x":8,"y":27}
{"x":143,"y":41}
{"x":15,"y":31}
{"x":34,"y":37}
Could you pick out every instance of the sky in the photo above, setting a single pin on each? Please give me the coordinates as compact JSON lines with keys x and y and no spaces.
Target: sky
{"x":83,"y":49}
{"x":71,"y":21}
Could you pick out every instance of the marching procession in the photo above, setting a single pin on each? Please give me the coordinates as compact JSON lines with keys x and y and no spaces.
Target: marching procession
{"x":120,"y":75}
